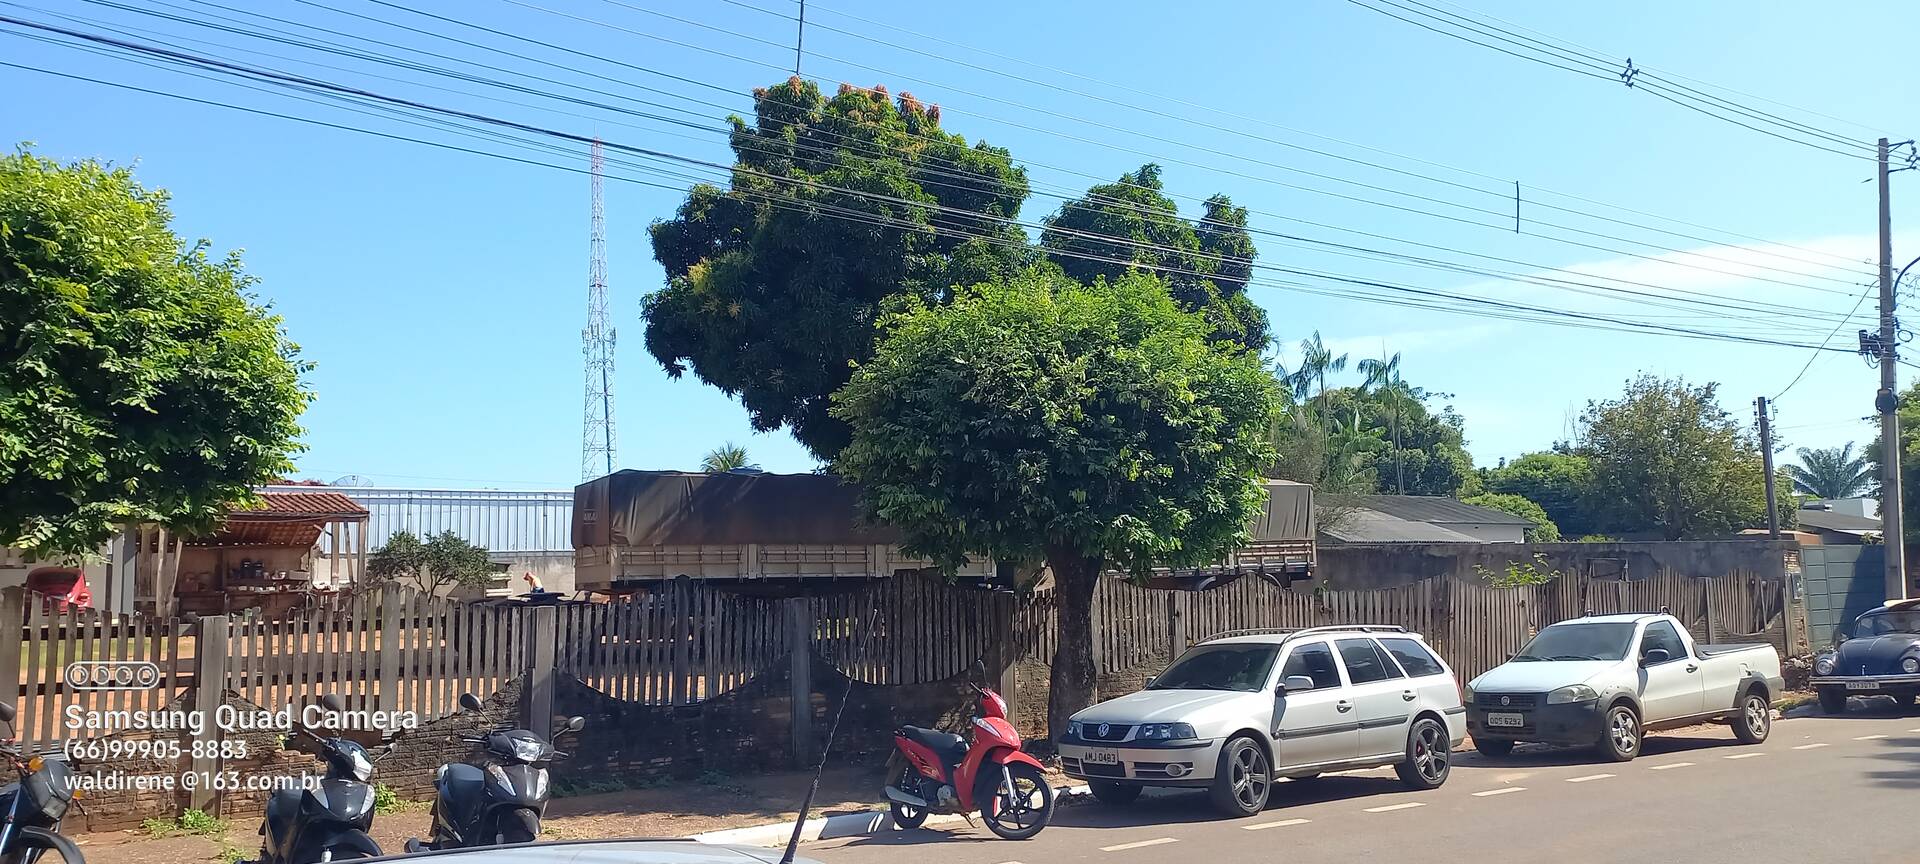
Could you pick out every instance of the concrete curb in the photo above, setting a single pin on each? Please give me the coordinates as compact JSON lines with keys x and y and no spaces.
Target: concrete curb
{"x":832,"y":827}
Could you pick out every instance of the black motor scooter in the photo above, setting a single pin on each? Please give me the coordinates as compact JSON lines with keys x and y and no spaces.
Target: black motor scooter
{"x":31,"y":809}
{"x":327,"y":821}
{"x":500,"y":804}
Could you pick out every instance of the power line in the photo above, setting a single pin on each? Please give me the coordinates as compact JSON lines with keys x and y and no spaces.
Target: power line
{"x":1505,"y":309}
{"x":1795,"y":311}
{"x":1823,"y":343}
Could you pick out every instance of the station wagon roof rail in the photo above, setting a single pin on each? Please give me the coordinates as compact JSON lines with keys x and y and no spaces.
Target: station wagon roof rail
{"x":1291,"y":633}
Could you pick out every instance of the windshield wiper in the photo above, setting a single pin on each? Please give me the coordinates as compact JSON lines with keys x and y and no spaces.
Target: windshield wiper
{"x":1526,"y":658}
{"x":1573,"y":657}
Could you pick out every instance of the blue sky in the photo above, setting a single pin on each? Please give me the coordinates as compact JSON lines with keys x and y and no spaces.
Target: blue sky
{"x":442,"y":294}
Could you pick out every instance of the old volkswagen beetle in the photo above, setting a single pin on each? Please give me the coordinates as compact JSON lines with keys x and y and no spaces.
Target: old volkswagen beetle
{"x":1879,"y":657}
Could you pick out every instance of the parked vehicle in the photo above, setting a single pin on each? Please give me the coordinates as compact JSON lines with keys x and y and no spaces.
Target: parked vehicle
{"x":1880,"y":657}
{"x":32,"y":807}
{"x":60,"y":588}
{"x":328,"y":821}
{"x":501,"y":803}
{"x":626,"y":851}
{"x":1241,"y":709}
{"x":1607,"y":680}
{"x":937,"y":772}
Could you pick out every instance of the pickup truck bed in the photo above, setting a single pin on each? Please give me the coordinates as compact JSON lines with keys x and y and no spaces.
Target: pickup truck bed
{"x":1728,"y":648}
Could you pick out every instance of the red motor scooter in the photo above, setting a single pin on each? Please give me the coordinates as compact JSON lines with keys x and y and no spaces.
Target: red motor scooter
{"x":942,"y":773}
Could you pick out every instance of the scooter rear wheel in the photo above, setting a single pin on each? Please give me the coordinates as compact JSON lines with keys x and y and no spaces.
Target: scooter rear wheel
{"x":907,"y":817}
{"x":1017,"y":813}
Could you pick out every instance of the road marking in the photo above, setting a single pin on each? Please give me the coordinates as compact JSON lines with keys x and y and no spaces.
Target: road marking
{"x":1743,"y":755}
{"x":1392,"y":807}
{"x":1492,"y":792}
{"x":1280,"y":824}
{"x":1669,"y":765}
{"x":1158,"y":841}
{"x":1809,"y":746}
{"x":1588,"y":777}
{"x":1869,"y":737}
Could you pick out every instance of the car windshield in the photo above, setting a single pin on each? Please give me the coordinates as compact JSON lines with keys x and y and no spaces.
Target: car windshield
{"x":1220,"y":667}
{"x":1903,"y":621}
{"x":1579,"y":642}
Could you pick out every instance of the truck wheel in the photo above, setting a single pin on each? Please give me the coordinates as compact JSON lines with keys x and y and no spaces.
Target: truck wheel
{"x":1429,"y":755}
{"x":1620,"y":734}
{"x":1754,"y":719}
{"x":1117,"y":794}
{"x":1241,"y":779}
{"x":1494,"y":747}
{"x":1833,"y":700}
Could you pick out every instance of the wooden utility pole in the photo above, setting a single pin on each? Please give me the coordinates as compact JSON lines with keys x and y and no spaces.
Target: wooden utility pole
{"x":1888,"y":402}
{"x":1766,"y":462}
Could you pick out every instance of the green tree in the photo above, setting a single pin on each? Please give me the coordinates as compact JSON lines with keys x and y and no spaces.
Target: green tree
{"x":1431,"y":458}
{"x":1543,"y":530}
{"x":1833,"y":472}
{"x":1908,"y":408}
{"x":726,"y":457}
{"x":1040,"y":420}
{"x":1668,"y":460}
{"x":442,"y":561}
{"x":1205,"y":265}
{"x":836,"y":208}
{"x":140,"y":381}
{"x":1560,"y":482}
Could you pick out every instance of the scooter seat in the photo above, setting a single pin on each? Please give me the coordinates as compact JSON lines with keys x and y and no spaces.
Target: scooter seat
{"x":950,"y":748}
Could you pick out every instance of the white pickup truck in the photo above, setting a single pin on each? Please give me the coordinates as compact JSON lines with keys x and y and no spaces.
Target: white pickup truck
{"x":1606,"y":680}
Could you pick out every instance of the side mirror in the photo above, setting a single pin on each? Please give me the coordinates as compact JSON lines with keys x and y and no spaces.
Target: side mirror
{"x":6,"y":712}
{"x":1294,"y":683}
{"x":576,"y":724}
{"x":1655,"y":655}
{"x":470,"y":702}
{"x":333,"y":702}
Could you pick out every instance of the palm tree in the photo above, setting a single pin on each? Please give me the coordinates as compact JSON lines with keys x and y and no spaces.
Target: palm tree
{"x":726,"y":457}
{"x":1383,"y":376}
{"x":1833,"y":472}
{"x":1316,"y":361}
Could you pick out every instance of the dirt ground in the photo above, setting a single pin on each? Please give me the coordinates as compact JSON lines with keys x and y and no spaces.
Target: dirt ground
{"x":677,"y":810}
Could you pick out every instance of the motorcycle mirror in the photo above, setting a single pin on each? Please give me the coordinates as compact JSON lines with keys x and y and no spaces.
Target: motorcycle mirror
{"x":6,"y":712}
{"x":333,"y":702}
{"x":576,"y":724}
{"x":469,"y":702}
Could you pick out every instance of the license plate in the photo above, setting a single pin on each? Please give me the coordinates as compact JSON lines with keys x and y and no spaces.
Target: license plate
{"x":1507,"y":720}
{"x":1101,"y":757}
{"x":1863,"y":685}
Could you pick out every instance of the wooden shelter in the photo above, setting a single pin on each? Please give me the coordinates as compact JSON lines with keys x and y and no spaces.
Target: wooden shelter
{"x":262,"y":557}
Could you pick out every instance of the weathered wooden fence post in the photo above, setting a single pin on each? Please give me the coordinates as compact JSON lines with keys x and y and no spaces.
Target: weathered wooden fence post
{"x":388,"y":698}
{"x":13,"y":622}
{"x":209,"y":688}
{"x":680,"y":625}
{"x":1006,"y":613}
{"x":1176,"y":628}
{"x":543,"y":636}
{"x":799,"y":620}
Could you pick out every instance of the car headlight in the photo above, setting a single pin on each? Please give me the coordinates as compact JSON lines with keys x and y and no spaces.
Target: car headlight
{"x":1823,"y":665}
{"x":1073,"y":728}
{"x":1910,"y":665}
{"x":1165,"y":732}
{"x":1572,"y":693}
{"x":1466,"y":693}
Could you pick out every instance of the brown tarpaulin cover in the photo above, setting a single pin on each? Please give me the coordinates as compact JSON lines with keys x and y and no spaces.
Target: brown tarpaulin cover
{"x":670,"y":508}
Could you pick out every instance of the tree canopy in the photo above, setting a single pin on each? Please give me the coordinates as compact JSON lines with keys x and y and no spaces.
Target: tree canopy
{"x":140,"y":381}
{"x":1832,"y":472}
{"x":1039,"y":419}
{"x":836,"y":208}
{"x":1667,"y":460}
{"x":1560,"y":482}
{"x":726,"y":457}
{"x":1543,"y":530}
{"x":444,"y":560}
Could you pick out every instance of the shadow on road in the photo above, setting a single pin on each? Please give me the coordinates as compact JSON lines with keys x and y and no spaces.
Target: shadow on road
{"x":1904,"y":753}
{"x":1544,"y":756}
{"x":1860,"y":708}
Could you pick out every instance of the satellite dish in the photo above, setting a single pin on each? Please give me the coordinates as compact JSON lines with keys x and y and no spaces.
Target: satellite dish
{"x":353,"y":480}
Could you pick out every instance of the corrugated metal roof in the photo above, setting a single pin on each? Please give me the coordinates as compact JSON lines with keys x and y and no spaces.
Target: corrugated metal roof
{"x":1436,"y":510}
{"x":1831,"y":521}
{"x":1371,"y":526}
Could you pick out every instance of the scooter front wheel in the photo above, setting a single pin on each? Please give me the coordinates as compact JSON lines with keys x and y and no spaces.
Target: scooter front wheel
{"x":33,"y":844}
{"x":1019,"y":812}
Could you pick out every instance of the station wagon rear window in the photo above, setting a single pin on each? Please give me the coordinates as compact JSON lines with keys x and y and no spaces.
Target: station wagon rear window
{"x":1220,"y":667}
{"x":1414,"y":657}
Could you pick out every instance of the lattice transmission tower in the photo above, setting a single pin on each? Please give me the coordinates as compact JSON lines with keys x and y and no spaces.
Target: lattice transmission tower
{"x":597,"y":438}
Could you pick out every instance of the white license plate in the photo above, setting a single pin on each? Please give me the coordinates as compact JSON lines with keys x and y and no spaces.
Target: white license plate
{"x":1508,"y":720}
{"x":1101,"y":757}
{"x":1863,"y":685}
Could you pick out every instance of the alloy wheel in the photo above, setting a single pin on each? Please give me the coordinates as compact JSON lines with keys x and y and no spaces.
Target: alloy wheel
{"x":1431,"y":754}
{"x":1625,"y":732}
{"x":1250,"y":777}
{"x":1758,"y":715}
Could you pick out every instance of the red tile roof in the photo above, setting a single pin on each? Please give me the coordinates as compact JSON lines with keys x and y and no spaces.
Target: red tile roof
{"x":314,"y":506}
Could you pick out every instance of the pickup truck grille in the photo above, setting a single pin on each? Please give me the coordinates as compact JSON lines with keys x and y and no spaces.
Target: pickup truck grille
{"x":1511,"y":700}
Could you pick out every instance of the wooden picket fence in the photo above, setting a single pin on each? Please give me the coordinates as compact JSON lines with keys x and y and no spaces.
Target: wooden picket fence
{"x":683,"y":644}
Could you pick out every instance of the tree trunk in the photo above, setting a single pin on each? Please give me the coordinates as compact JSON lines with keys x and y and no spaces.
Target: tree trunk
{"x":1071,"y":684}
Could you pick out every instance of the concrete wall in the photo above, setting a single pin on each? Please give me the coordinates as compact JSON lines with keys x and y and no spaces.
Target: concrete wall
{"x":1390,"y":565}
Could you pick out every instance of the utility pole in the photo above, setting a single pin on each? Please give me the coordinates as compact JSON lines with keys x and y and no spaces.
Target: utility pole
{"x":1887,"y":401}
{"x":1766,"y":462}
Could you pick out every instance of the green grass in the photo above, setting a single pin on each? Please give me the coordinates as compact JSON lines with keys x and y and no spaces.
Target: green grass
{"x":193,"y":823}
{"x":386,"y":801}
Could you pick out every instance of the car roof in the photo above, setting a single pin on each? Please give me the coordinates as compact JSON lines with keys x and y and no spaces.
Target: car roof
{"x":1277,"y":637}
{"x":1896,"y":606}
{"x":628,"y":851}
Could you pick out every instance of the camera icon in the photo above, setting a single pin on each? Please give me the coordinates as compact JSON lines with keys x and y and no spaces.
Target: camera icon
{"x":111,"y":675}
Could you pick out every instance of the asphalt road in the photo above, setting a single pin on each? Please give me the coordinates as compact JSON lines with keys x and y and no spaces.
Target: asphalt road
{"x":1819,"y":789}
